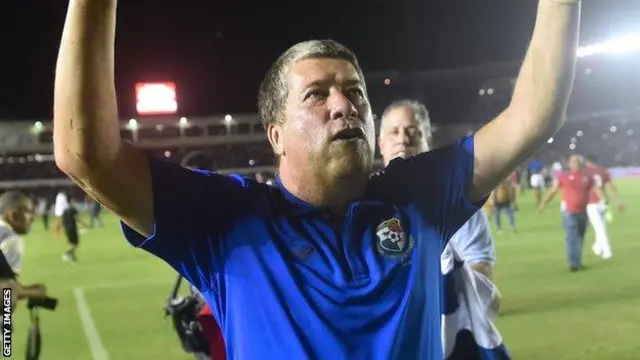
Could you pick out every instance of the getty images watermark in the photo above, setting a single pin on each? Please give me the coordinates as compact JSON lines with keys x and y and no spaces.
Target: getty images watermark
{"x":6,"y":322}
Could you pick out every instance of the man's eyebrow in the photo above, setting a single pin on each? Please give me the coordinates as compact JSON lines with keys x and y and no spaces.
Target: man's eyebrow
{"x":325,"y":82}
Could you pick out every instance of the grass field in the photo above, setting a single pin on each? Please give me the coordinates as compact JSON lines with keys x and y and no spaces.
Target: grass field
{"x":548,"y":313}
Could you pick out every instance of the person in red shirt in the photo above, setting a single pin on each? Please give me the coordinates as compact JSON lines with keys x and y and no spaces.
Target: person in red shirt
{"x":576,"y":186}
{"x":597,"y":207}
{"x":213,"y":334}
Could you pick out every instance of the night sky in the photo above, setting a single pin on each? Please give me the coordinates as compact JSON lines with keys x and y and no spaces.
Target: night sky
{"x":218,"y":51}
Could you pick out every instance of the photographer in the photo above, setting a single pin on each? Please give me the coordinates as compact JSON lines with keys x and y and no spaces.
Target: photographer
{"x":16,"y":216}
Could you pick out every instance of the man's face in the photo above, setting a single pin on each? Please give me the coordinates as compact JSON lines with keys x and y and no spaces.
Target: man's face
{"x":21,"y":218}
{"x":575,"y":163}
{"x":401,"y":135}
{"x":328,"y":123}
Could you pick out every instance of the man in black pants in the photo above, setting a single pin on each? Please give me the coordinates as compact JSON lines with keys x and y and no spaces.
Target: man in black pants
{"x":69,"y":221}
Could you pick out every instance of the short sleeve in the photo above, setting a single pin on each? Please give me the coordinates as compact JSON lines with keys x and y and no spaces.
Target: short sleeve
{"x":193,"y":209}
{"x":13,"y":251}
{"x":437,"y":183}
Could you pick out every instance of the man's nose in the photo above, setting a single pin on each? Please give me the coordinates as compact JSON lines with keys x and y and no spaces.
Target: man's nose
{"x":340,"y":106}
{"x":404,"y":138}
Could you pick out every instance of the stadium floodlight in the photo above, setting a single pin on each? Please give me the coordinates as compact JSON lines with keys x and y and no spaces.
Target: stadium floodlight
{"x":133,"y":124}
{"x":36,"y":128}
{"x":156,"y":98}
{"x":618,"y":45}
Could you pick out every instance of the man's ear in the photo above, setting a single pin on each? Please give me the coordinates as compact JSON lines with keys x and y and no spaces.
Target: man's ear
{"x":10,"y":215}
{"x":274,"y":134}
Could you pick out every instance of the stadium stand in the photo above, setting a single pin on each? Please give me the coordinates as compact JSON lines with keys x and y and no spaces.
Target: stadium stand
{"x":603,"y":116}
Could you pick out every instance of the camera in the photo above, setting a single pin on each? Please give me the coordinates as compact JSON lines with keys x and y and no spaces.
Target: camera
{"x":47,"y":303}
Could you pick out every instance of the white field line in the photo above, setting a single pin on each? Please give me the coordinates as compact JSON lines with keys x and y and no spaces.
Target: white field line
{"x":98,"y":351}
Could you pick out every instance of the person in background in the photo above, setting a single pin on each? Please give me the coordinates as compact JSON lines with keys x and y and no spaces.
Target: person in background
{"x":43,"y":211}
{"x":405,"y":131}
{"x":576,"y":186}
{"x":61,"y":203}
{"x":598,"y":206}
{"x":537,"y":183}
{"x":95,"y":209}
{"x":503,"y":199}
{"x":515,"y":185}
{"x":59,"y":206}
{"x":556,"y":169}
{"x":69,"y":223}
{"x":16,"y":216}
{"x":260,"y":178}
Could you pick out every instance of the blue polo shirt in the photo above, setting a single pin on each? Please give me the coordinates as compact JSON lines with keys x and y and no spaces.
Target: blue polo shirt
{"x":288,"y":280}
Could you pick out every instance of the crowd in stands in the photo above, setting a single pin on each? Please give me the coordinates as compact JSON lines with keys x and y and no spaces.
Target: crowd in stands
{"x":604,"y":119}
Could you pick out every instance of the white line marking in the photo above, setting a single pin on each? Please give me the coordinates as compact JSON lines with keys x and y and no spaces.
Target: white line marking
{"x":97,"y":349}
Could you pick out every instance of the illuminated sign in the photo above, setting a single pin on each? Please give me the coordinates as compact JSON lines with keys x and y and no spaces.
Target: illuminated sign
{"x":156,"y":98}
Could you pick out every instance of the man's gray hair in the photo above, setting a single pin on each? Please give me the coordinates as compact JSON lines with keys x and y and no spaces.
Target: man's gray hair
{"x":419,"y":110}
{"x":274,"y":89}
{"x":11,"y":200}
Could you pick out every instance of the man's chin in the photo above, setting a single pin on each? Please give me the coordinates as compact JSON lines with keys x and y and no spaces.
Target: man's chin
{"x":400,"y":155}
{"x":349,"y":161}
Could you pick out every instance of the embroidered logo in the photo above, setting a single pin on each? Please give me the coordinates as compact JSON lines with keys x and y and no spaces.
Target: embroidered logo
{"x":393,"y":242}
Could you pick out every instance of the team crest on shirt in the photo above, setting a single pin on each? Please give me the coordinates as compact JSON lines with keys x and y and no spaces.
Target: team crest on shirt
{"x":393,"y":241}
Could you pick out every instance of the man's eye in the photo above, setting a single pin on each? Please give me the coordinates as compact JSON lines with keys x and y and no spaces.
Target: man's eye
{"x":357,"y":92}
{"x":314,"y":94}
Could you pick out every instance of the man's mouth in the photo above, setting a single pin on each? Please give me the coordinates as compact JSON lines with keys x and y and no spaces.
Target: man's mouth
{"x":349,"y":134}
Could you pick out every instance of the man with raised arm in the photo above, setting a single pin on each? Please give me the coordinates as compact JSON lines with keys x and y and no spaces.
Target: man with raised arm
{"x":328,"y":263}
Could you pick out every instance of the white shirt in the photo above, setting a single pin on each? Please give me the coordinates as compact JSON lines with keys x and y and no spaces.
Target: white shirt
{"x":476,"y":298}
{"x":62,"y":204}
{"x":12,"y":246}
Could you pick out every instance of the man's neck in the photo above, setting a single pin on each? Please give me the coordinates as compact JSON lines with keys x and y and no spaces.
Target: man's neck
{"x":318,"y":190}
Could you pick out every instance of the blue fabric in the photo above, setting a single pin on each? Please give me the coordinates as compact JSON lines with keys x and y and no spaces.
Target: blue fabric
{"x":536,"y":166}
{"x":575,"y":227}
{"x":285,"y":280}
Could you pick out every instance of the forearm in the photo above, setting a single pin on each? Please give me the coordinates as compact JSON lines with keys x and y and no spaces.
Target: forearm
{"x":86,"y":128}
{"x":539,"y":101}
{"x":613,"y":189}
{"x":543,"y":88}
{"x":549,"y":198}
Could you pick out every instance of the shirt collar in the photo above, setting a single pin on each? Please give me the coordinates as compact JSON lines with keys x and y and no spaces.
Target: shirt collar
{"x":298,"y":205}
{"x":301,"y":207}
